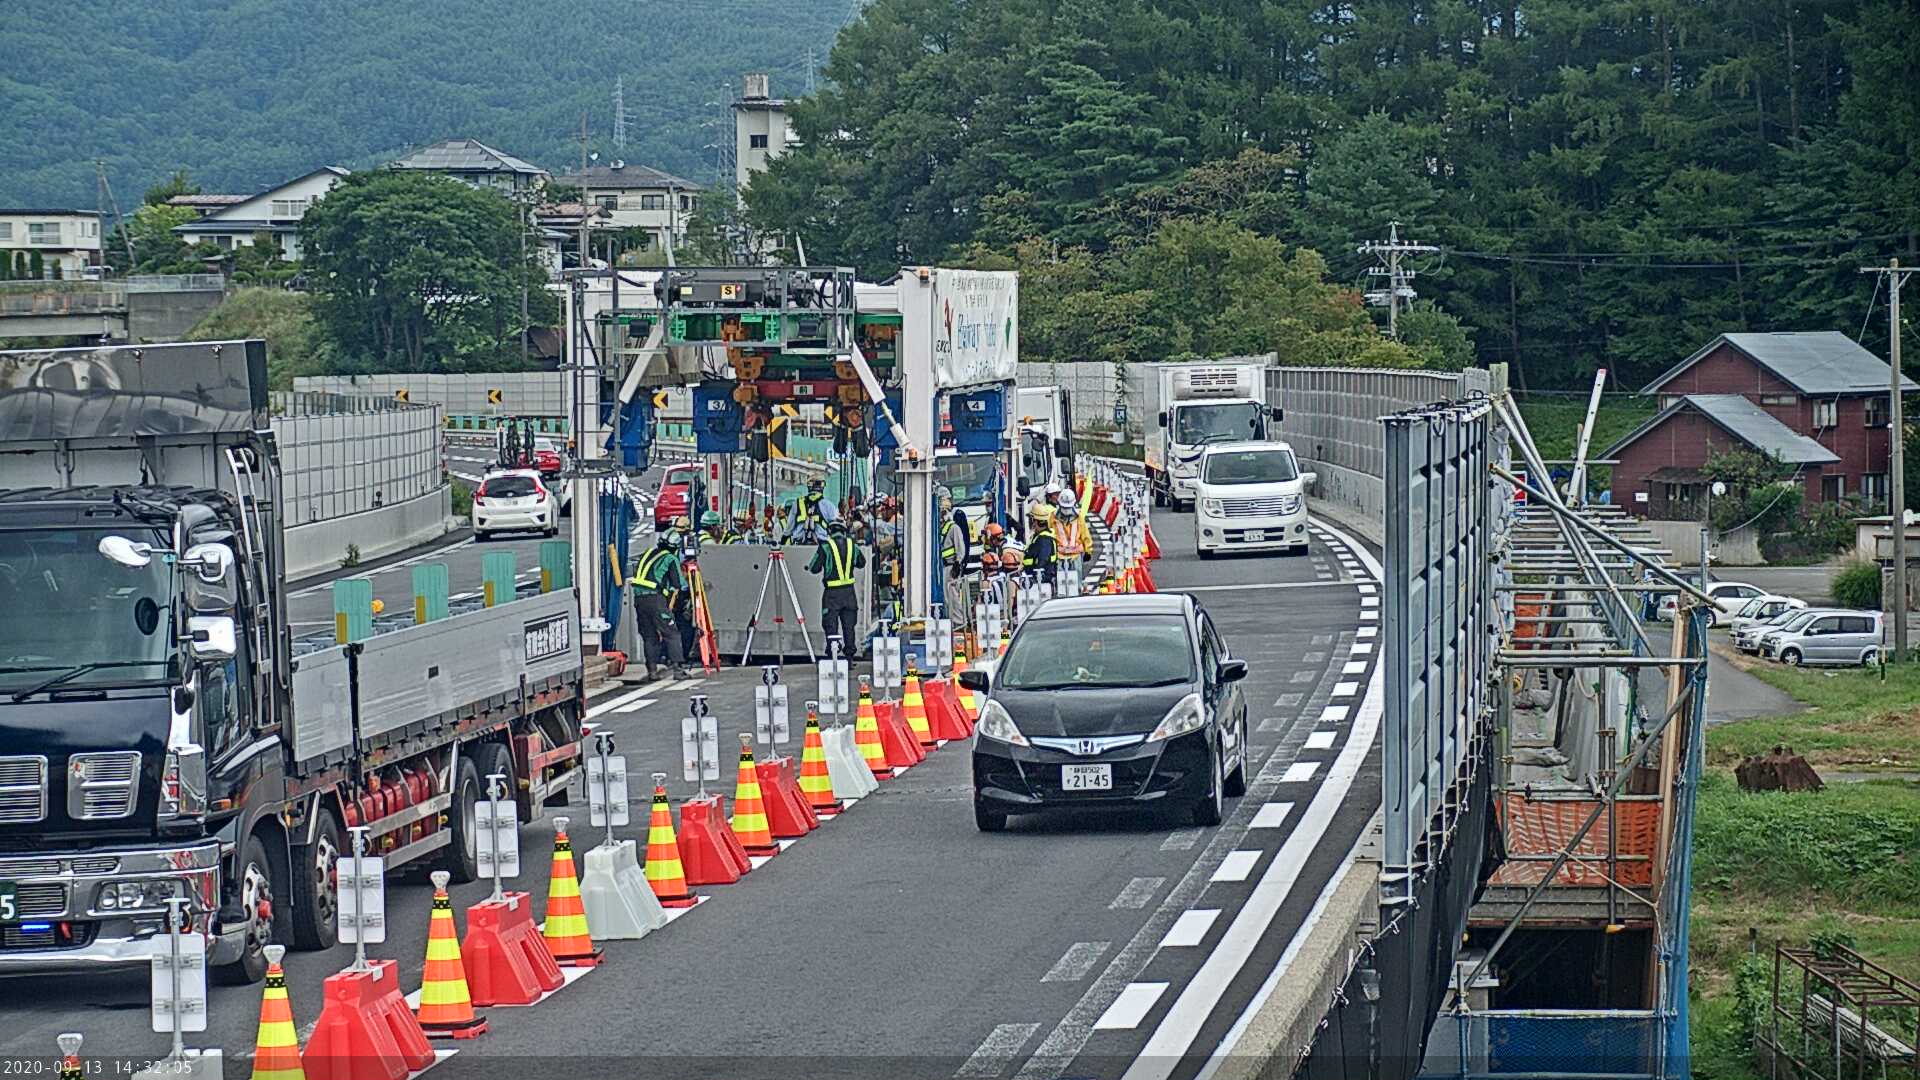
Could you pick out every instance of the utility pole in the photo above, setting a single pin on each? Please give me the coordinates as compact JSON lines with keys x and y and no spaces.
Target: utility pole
{"x":620,"y":113}
{"x":1391,"y":249}
{"x":104,"y":201}
{"x":586,"y":209}
{"x":1897,"y":462}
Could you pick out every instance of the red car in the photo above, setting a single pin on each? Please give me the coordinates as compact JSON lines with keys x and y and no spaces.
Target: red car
{"x":680,"y":489}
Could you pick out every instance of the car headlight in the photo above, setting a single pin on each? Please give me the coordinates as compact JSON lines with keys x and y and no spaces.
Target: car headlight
{"x":995,"y":724}
{"x":1211,"y":506}
{"x":1185,"y":716}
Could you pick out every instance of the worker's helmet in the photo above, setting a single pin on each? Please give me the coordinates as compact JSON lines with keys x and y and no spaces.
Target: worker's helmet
{"x":816,"y":486}
{"x":1041,"y":513}
{"x":668,"y":538}
{"x":682,"y":522}
{"x":1053,"y":489}
{"x":710,"y":519}
{"x":1010,"y":560}
{"x":837,"y":526}
{"x":993,"y":533}
{"x":743,"y":517}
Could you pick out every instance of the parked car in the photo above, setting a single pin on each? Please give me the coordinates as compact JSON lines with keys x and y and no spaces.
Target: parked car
{"x":1728,"y":598}
{"x":1763,"y":608}
{"x":1845,"y":637}
{"x":680,"y":493}
{"x":513,"y":500}
{"x":1767,"y":644}
{"x":1746,"y":637}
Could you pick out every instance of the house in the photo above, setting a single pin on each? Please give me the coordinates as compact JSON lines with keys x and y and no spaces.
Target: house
{"x":202,"y":205}
{"x":558,"y":227}
{"x":471,"y":161}
{"x":760,"y":130}
{"x":1821,"y":388}
{"x":275,"y":212}
{"x":67,"y":241}
{"x":638,"y":197}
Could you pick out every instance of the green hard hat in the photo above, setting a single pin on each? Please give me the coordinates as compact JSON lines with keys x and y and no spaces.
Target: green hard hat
{"x":710,"y":519}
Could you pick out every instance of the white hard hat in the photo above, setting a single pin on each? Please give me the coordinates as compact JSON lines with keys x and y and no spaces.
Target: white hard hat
{"x":1053,"y":487}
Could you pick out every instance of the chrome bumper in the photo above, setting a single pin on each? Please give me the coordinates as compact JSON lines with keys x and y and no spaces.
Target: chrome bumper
{"x":119,"y":938}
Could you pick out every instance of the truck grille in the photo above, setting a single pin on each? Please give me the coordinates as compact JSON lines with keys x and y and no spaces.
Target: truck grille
{"x":44,"y":900}
{"x":14,"y":937}
{"x":23,"y":789}
{"x":1279,"y":504}
{"x":49,"y":867}
{"x":101,"y":787}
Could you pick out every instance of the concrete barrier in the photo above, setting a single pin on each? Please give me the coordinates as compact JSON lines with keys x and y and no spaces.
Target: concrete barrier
{"x":320,"y":545}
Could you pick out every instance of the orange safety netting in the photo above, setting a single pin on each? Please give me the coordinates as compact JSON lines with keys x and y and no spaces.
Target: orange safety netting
{"x":1544,"y":828}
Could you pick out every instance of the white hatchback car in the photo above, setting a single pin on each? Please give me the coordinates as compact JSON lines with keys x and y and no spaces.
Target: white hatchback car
{"x":1760,"y":609}
{"x":513,"y":500}
{"x":1728,"y":598}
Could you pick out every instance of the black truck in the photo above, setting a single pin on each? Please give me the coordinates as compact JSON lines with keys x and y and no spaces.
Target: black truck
{"x":163,"y":733}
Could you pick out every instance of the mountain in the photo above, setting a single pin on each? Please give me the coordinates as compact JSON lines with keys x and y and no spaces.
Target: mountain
{"x":247,"y":93}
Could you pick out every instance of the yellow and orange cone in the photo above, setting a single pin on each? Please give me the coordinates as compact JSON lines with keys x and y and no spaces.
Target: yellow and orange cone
{"x":749,"y":821}
{"x":568,"y":938}
{"x":446,"y":1007}
{"x":866,"y":735}
{"x":914,"y":704}
{"x":815,"y":785}
{"x":665,"y":874}
{"x":276,"y":1052}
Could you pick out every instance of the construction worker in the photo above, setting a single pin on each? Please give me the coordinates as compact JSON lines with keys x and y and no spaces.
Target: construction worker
{"x":742,"y":531}
{"x":713,"y":529}
{"x":1071,"y":540}
{"x":1040,"y":543}
{"x":656,"y":579}
{"x":835,"y":560}
{"x":889,"y":576}
{"x":811,"y":514}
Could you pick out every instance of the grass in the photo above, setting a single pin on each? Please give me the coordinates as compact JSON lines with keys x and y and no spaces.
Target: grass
{"x":1857,"y":719}
{"x":1555,"y":425}
{"x":1776,"y":867}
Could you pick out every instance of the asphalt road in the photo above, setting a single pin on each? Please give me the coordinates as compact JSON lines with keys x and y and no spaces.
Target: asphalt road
{"x":900,"y":942}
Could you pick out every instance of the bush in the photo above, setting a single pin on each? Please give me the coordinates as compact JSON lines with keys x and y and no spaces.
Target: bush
{"x":461,"y":498}
{"x":1857,"y":585}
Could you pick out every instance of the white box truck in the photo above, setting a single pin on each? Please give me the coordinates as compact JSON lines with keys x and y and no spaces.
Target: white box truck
{"x":1193,"y":405}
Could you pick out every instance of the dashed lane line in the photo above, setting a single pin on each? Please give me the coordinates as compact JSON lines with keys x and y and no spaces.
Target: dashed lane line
{"x":996,"y":1051}
{"x":1074,"y":964}
{"x":1137,"y":894}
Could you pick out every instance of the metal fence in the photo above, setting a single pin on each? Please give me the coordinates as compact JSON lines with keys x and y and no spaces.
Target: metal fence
{"x":1093,"y":388}
{"x":340,"y":463}
{"x":321,"y":403}
{"x":520,"y":393}
{"x":174,"y":282}
{"x":1545,"y":1043}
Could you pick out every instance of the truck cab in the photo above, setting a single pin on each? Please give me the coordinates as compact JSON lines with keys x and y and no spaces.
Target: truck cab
{"x":1195,"y":405}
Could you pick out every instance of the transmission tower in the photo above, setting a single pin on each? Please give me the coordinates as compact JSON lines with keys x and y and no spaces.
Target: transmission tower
{"x":620,"y":113}
{"x":1389,"y":252}
{"x":811,"y":68}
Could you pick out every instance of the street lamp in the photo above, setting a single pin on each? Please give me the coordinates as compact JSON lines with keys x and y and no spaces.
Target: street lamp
{"x":1706,"y":530}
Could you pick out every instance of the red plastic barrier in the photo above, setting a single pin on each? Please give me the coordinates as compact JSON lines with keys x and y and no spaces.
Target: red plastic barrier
{"x":944,"y":715}
{"x":365,"y":1030}
{"x":507,"y":959}
{"x":896,"y":738}
{"x":787,"y":812}
{"x":709,"y":852}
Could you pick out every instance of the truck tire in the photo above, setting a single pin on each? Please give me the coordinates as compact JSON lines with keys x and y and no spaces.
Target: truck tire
{"x":314,"y":888}
{"x":254,"y":872}
{"x":461,"y":857}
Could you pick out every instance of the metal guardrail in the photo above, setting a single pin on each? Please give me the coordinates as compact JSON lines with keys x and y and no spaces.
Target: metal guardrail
{"x":50,"y":298}
{"x":175,"y":282}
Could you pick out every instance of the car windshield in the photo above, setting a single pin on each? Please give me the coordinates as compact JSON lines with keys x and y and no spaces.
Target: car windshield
{"x":1799,"y":621}
{"x":508,"y":487}
{"x":1250,"y":467}
{"x":1781,"y":616}
{"x":1099,"y":651}
{"x":86,"y":610}
{"x":1216,"y":422}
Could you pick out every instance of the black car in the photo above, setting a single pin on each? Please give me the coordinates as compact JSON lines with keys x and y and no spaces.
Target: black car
{"x":1125,"y":700}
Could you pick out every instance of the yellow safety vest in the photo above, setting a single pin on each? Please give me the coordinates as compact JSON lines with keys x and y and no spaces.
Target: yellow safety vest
{"x":842,"y":562}
{"x":643,"y":574}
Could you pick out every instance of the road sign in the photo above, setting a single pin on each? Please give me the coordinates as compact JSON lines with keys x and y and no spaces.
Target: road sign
{"x":496,"y":840}
{"x":1519,"y":489}
{"x":607,"y":789}
{"x":400,"y":396}
{"x":493,"y":397}
{"x":187,"y":995}
{"x":659,"y":399}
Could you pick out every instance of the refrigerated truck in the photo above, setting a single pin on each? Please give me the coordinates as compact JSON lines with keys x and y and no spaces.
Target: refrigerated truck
{"x":163,"y":732}
{"x":1192,"y":405}
{"x":1046,"y":436}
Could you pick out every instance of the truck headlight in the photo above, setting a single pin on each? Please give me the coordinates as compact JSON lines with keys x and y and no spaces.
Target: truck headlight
{"x":136,"y":895}
{"x":1211,"y":506}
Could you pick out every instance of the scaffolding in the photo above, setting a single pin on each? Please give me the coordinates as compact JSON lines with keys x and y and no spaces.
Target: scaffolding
{"x":1836,"y":1016}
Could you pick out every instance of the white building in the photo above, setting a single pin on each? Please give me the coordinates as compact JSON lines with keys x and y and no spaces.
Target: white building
{"x":636,"y":196}
{"x":67,"y":241}
{"x":760,"y":131}
{"x":275,"y":212}
{"x":471,"y":161}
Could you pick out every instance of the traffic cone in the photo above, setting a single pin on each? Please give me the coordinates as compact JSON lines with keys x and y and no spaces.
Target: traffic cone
{"x":749,"y":821}
{"x":566,"y":930}
{"x":446,"y":1008}
{"x":276,"y":1051}
{"x":914,"y":704}
{"x":1144,"y":578}
{"x":815,"y":784}
{"x":968,"y":702}
{"x":665,"y":875}
{"x":866,"y":736}
{"x":1153,"y":545}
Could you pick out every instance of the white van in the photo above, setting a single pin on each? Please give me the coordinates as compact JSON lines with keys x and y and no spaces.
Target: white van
{"x":1249,"y":496}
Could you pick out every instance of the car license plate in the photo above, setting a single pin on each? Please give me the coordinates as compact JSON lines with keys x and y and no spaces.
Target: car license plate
{"x":1255,"y":536}
{"x":1086,"y":778}
{"x":9,"y":902}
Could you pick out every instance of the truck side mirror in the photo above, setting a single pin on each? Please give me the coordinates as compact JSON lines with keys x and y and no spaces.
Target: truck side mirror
{"x":211,"y":637}
{"x":1275,"y":412}
{"x":1163,"y":418}
{"x":1063,"y":448}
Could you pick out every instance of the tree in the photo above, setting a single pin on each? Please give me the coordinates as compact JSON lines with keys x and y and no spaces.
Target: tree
{"x":36,"y":266}
{"x":157,"y":249}
{"x":177,"y":184}
{"x":414,"y":272}
{"x":284,"y":320}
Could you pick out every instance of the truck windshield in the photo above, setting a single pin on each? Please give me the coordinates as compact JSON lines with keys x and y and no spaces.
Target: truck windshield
{"x":71,"y":606}
{"x":968,"y":476}
{"x":1216,"y":422}
{"x":1250,"y":467}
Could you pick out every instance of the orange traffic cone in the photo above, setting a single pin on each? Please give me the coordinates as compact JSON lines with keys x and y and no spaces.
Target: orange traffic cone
{"x":664,"y":873}
{"x":276,"y":1052}
{"x":749,"y":821}
{"x":446,"y":1008}
{"x":815,"y":784}
{"x":914,"y":705}
{"x":968,"y":703}
{"x":1153,"y":544}
{"x":566,"y":930}
{"x":866,"y":736}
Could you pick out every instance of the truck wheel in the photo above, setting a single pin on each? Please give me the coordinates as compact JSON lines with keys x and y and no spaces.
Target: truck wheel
{"x":493,"y":758}
{"x":254,"y":876}
{"x":315,"y":886}
{"x":462,"y":858}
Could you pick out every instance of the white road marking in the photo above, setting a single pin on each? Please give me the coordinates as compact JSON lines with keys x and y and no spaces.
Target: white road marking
{"x":635,"y":706}
{"x":1079,"y":959}
{"x":1345,"y":689}
{"x":1190,"y":930}
{"x":1369,"y":601}
{"x":1366,"y":590}
{"x":1130,"y":1007}
{"x":1370,"y":614}
{"x":1239,"y":864}
{"x":1319,"y":740}
{"x":1300,"y":772}
{"x":997,"y":1051}
{"x":1253,"y":586}
{"x":1271,"y":816}
{"x":1333,"y":714}
{"x":608,"y":706}
{"x":1313,"y":658}
{"x":1362,"y":648}
{"x":1138,"y":891}
{"x":1366,"y":631}
{"x":1289,"y":701}
{"x":1354,"y":667}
